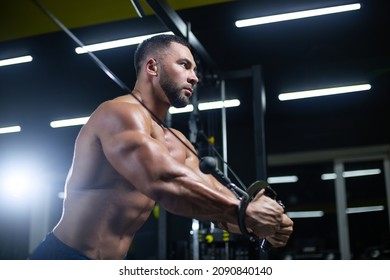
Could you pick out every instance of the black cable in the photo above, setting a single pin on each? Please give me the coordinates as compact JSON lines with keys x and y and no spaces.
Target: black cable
{"x":242,"y":185}
{"x":138,"y":8}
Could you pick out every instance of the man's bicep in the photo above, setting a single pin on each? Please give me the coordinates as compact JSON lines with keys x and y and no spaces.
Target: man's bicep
{"x":119,"y":146}
{"x":131,"y":153}
{"x":139,"y":159}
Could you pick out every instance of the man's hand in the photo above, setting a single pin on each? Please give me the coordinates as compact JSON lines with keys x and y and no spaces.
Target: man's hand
{"x":264,"y":216}
{"x":282,"y":235}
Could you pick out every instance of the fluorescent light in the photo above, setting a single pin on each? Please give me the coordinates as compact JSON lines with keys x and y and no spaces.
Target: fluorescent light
{"x":10,"y":129}
{"x":318,"y":214}
{"x":188,"y":108}
{"x":16,"y":60}
{"x":297,"y":15}
{"x":282,"y":179}
{"x":69,"y":122}
{"x":358,"y":173}
{"x":115,"y":43}
{"x":323,"y":92}
{"x":328,"y":176}
{"x":206,"y":106}
{"x":305,"y":214}
{"x":218,"y":104}
{"x":365,"y":209}
{"x":354,"y":173}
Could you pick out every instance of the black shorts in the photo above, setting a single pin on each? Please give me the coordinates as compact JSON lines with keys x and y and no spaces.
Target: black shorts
{"x":51,"y":248}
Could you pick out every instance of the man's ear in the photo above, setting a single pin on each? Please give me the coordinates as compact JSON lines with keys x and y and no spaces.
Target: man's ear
{"x":151,"y":67}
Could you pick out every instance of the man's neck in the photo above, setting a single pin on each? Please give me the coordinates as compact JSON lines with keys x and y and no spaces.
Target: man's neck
{"x":157,"y":109}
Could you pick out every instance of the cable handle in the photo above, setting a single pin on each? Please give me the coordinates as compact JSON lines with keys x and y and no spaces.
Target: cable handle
{"x":208,"y":166}
{"x":264,"y":245}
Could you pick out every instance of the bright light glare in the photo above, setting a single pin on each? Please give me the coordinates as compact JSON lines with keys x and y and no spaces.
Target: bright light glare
{"x":115,"y":43}
{"x":10,"y":129}
{"x":16,"y":60}
{"x":69,"y":122}
{"x":354,"y":173}
{"x":323,"y":92}
{"x":195,"y":224}
{"x":19,"y":181}
{"x":297,"y":15}
{"x":16,"y":184}
{"x":282,"y":179}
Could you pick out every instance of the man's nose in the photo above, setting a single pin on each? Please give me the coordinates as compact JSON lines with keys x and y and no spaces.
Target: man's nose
{"x":193,"y":79}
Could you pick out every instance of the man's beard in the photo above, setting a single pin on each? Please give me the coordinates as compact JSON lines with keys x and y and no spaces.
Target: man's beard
{"x":172,"y":91}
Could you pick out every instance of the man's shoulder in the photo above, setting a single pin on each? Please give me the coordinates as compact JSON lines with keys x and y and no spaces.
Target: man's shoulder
{"x":122,"y":108}
{"x":118,"y":114}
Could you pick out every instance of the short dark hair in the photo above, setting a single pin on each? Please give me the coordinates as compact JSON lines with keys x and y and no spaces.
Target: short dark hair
{"x":153,"y":44}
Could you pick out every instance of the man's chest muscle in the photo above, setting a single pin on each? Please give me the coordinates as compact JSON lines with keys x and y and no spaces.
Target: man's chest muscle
{"x":176,"y":149}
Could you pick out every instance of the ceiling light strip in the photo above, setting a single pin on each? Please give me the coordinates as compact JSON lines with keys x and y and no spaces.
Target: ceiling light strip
{"x":365,"y":209}
{"x":320,"y":213}
{"x":323,"y":92}
{"x":69,"y":122}
{"x":297,"y":15}
{"x":218,"y":104}
{"x":16,"y":60}
{"x":10,"y":129}
{"x":207,"y":106}
{"x":188,"y":108}
{"x":282,"y":179}
{"x":115,"y":44}
{"x":354,"y":173}
{"x":305,"y":214}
